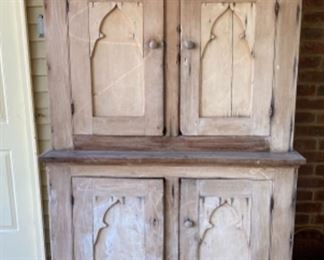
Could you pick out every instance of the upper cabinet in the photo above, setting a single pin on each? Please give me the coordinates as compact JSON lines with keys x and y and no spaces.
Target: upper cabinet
{"x":173,"y":67}
{"x":227,"y":67}
{"x":116,"y":58}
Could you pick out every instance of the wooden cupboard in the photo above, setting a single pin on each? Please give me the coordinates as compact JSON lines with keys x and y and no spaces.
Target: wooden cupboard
{"x":173,"y":68}
{"x":172,"y":128}
{"x":153,"y":208}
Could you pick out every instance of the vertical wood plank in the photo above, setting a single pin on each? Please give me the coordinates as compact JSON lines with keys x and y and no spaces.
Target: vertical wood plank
{"x":288,"y":22}
{"x":172,"y":55}
{"x":285,"y":186}
{"x":58,"y":73}
{"x":188,"y":221}
{"x":60,"y":209}
{"x":172,"y":218}
{"x":80,"y":66}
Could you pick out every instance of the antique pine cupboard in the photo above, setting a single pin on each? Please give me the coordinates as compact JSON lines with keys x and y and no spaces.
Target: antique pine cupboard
{"x":172,"y":128}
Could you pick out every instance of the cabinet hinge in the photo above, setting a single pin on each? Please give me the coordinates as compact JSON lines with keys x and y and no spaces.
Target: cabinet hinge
{"x":72,"y":108}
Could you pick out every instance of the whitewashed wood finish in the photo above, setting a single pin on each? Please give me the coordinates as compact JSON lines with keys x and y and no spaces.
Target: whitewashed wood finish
{"x":227,"y":92}
{"x":56,"y":23}
{"x":288,"y":25}
{"x":118,"y":89}
{"x":230,"y":219}
{"x":60,"y":211}
{"x":116,"y":47}
{"x":118,"y":218}
{"x":227,"y":39}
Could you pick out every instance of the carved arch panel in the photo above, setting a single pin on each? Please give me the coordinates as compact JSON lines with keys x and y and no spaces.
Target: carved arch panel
{"x":228,"y":219}
{"x":227,"y":76}
{"x":116,"y":79}
{"x":118,"y":218}
{"x":116,"y":46}
{"x":227,"y":43}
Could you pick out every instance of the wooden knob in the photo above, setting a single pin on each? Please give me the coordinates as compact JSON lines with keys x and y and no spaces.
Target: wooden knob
{"x":153,"y":44}
{"x":188,"y":223}
{"x":189,"y":45}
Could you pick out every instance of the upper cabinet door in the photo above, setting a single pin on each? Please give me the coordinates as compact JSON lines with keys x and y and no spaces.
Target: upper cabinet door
{"x":116,"y":59}
{"x":227,"y":67}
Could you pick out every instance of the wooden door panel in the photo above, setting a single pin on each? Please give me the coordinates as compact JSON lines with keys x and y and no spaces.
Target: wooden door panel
{"x":116,"y":75}
{"x":227,"y":71}
{"x":225,"y":219}
{"x":118,"y":218}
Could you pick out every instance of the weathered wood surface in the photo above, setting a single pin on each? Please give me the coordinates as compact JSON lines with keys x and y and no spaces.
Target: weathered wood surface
{"x":288,"y":22}
{"x":180,"y":143}
{"x":189,"y":158}
{"x":58,"y":73}
{"x":225,"y":219}
{"x":60,"y":211}
{"x":118,"y":218}
{"x":117,"y":84}
{"x":172,"y":67}
{"x":226,"y":92}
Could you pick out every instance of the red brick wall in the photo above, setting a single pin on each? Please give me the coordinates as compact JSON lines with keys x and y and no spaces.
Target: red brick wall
{"x":309,"y":135}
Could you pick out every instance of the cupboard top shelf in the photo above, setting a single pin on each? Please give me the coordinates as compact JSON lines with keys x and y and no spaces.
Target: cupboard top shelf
{"x":260,"y":159}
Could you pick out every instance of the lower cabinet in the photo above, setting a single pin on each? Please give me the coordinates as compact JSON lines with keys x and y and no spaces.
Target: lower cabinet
{"x":171,"y":213}
{"x":118,"y":218}
{"x":225,"y":219}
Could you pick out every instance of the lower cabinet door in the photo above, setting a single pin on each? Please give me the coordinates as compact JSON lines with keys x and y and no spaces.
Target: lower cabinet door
{"x":225,"y":219}
{"x":118,"y":219}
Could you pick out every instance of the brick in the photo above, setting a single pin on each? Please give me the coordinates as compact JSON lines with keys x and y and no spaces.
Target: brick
{"x":319,"y":195}
{"x":304,"y":195}
{"x":320,"y":119}
{"x":312,"y":47}
{"x":305,"y":144}
{"x":309,"y":63}
{"x":319,"y":219}
{"x":304,"y":103}
{"x":304,"y":117}
{"x":310,"y":182}
{"x":313,"y":17}
{"x":301,"y":219}
{"x":309,"y":131}
{"x":305,"y":90}
{"x":309,"y":207}
{"x":313,"y":4}
{"x":314,"y":157}
{"x":320,"y":90}
{"x":311,"y":76}
{"x":321,"y":146}
{"x":306,"y":170}
{"x":319,"y":170}
{"x":312,"y":34}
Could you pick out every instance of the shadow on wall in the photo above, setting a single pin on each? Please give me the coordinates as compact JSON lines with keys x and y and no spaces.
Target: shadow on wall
{"x":309,"y":244}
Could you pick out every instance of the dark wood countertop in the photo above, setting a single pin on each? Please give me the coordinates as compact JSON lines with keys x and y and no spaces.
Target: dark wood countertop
{"x":174,"y":158}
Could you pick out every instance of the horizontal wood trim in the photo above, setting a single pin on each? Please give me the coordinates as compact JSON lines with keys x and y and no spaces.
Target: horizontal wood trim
{"x":252,"y":144}
{"x":259,"y":159}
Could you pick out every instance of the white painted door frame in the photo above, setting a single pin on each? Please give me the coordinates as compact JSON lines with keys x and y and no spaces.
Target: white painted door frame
{"x":21,"y":224}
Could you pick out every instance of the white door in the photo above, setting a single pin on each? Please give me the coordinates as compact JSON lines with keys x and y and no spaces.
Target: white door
{"x":21,"y":229}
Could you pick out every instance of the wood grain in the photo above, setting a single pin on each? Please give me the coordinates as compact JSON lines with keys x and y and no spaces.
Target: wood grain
{"x":60,"y":211}
{"x":288,"y":21}
{"x":176,"y":158}
{"x":58,"y":73}
{"x":179,"y":143}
